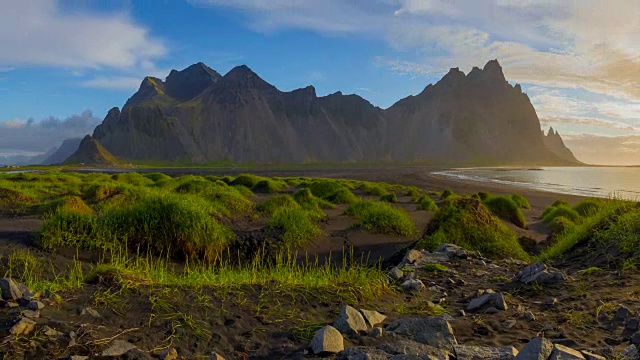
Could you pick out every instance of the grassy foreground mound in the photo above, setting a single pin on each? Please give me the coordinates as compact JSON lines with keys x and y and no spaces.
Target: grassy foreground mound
{"x":506,"y":208}
{"x":180,"y":227}
{"x":610,"y":232}
{"x":466,"y":222}
{"x":333,"y":191}
{"x":381,"y":217}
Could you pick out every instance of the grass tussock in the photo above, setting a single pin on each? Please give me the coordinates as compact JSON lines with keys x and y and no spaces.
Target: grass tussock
{"x":446,"y":194}
{"x":426,"y":203}
{"x":381,"y":217}
{"x":270,"y":186}
{"x":296,"y":226}
{"x":560,"y":210}
{"x":505,"y":208}
{"x":521,"y":201}
{"x":390,"y":198}
{"x":332,"y":191}
{"x":276,"y":203}
{"x":466,"y":222}
{"x":72,"y":204}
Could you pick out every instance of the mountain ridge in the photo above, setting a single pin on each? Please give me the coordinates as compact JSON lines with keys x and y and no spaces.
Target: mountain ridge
{"x":196,"y":115}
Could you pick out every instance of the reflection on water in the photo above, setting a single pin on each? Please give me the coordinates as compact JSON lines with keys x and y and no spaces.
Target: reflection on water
{"x":18,"y":171}
{"x":587,"y":181}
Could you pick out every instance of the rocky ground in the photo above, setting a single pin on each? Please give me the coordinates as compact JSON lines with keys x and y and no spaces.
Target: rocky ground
{"x":465,"y":307}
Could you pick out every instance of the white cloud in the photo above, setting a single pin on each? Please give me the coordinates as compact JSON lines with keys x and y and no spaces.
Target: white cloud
{"x":29,"y":135}
{"x":38,"y":33}
{"x":113,"y":83}
{"x":605,"y":150}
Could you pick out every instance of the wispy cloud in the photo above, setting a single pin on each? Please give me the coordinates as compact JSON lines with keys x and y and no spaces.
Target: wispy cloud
{"x":605,"y":150}
{"x":113,"y":83}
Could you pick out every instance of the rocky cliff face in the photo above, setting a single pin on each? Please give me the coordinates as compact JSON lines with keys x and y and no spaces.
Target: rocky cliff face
{"x":554,"y":142}
{"x":196,"y":115}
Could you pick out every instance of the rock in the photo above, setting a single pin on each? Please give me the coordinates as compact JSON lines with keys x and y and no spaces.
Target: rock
{"x":31,"y":314}
{"x":635,"y":338}
{"x":216,"y":356}
{"x":431,"y":258}
{"x":373,"y":318}
{"x":462,"y":313}
{"x":622,"y":314}
{"x":395,"y":273}
{"x":497,"y":299}
{"x":350,"y":321}
{"x":413,"y":348}
{"x":24,"y":326}
{"x":561,"y":352}
{"x":466,"y":352}
{"x":118,"y":348}
{"x":494,"y":299}
{"x":362,"y":353}
{"x":376,"y":332}
{"x":630,"y":353}
{"x":90,"y":311}
{"x":413,"y":285}
{"x":411,"y":256}
{"x":327,"y":340}
{"x":550,"y":302}
{"x":452,"y":251}
{"x":135,"y":354}
{"x":536,"y":349}
{"x":78,"y":357}
{"x":539,"y":273}
{"x":491,"y":310}
{"x":169,"y":354}
{"x":11,"y":304}
{"x":434,"y":331}
{"x":51,"y":332}
{"x":481,"y":263}
{"x":529,"y":316}
{"x":9,"y":289}
{"x":591,"y":356}
{"x":35,"y":305}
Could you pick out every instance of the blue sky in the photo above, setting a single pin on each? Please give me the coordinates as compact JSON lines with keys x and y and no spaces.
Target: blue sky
{"x":63,"y":65}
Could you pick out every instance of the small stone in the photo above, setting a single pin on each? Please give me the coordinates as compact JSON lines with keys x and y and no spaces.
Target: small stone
{"x":491,"y":310}
{"x":78,"y":357}
{"x":327,"y":340}
{"x":376,"y":332}
{"x":632,"y":324}
{"x":529,"y":316}
{"x":462,"y":313}
{"x":169,"y":354}
{"x":536,"y":349}
{"x":373,"y":317}
{"x":561,"y":352}
{"x":350,"y":321}
{"x":90,"y":311}
{"x":11,"y":304}
{"x":550,"y":302}
{"x":413,"y":285}
{"x":35,"y":305}
{"x":479,"y":302}
{"x":497,"y":299}
{"x":635,"y":338}
{"x":9,"y":289}
{"x":461,"y":282}
{"x":622,"y":314}
{"x":630,"y":353}
{"x":434,"y":331}
{"x":481,"y":263}
{"x":31,"y":314}
{"x":24,"y":326}
{"x":411,"y":256}
{"x":362,"y":353}
{"x":118,"y":348}
{"x":396,"y":274}
{"x":51,"y":332}
{"x":216,"y":356}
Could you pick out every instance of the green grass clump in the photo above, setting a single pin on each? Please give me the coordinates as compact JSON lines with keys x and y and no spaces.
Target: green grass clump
{"x":521,"y":201}
{"x":99,"y":192}
{"x":277,"y":203}
{"x":332,"y":191}
{"x":561,"y":210}
{"x":482,"y":195}
{"x":247,"y":180}
{"x":157,"y":177}
{"x":72,"y":204}
{"x":391,"y":198}
{"x":296,"y":225}
{"x":616,"y":224}
{"x":70,"y":229}
{"x":560,"y":224}
{"x":426,"y":203}
{"x":466,"y":222}
{"x":446,"y":193}
{"x":270,"y":186}
{"x":132,"y":178}
{"x":382,"y":217}
{"x":377,"y":190}
{"x":14,"y":202}
{"x":505,"y":208}
{"x":435,"y":268}
{"x":588,"y":207}
{"x":413,"y":191}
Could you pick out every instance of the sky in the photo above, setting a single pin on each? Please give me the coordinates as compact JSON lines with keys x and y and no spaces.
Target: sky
{"x":64,"y":64}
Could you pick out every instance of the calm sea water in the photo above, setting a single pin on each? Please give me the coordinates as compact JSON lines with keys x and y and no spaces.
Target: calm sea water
{"x":587,"y":181}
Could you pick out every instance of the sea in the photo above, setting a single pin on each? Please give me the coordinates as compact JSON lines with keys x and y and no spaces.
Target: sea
{"x":605,"y":182}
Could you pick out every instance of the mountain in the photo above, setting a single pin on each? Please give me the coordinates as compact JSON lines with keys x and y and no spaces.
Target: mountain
{"x":554,"y":142}
{"x":91,"y":151}
{"x":196,"y":115}
{"x":68,"y":147}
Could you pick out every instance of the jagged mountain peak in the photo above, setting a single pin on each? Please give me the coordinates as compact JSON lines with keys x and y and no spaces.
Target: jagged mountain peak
{"x":242,"y":76}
